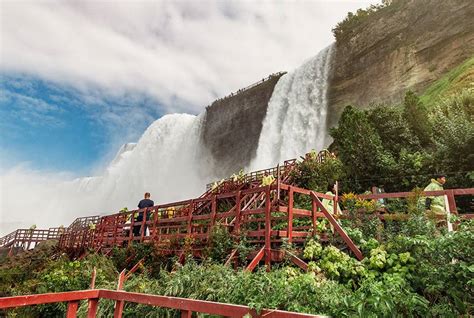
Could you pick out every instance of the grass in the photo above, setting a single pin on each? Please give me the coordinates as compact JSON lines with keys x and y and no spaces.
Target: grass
{"x":456,"y":80}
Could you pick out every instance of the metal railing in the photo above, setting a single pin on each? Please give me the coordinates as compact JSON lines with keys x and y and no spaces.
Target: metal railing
{"x":278,"y":74}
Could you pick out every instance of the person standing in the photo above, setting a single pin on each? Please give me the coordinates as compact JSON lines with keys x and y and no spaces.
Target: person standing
{"x":329,"y":204}
{"x":436,"y":203}
{"x":144,"y":203}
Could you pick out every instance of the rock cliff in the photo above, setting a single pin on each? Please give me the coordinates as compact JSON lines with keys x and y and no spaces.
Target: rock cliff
{"x":233,"y":124}
{"x":406,"y":45}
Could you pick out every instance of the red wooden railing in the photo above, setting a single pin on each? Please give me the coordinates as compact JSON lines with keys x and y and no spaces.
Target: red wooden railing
{"x":186,"y":306}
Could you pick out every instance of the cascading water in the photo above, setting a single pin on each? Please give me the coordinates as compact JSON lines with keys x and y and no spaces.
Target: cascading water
{"x":167,"y":161}
{"x":295,"y":121}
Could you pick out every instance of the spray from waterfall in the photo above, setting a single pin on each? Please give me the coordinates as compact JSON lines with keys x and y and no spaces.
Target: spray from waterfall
{"x":167,"y":161}
{"x":295,"y":121}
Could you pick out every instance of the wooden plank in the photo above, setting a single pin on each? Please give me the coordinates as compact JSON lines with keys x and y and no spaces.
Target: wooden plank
{"x":338,"y":228}
{"x":92,"y":307}
{"x":28,"y":300}
{"x":290,"y":214}
{"x":72,"y":307}
{"x":298,"y":262}
{"x":256,"y":260}
{"x":268,"y":225}
{"x":118,"y":311}
{"x":202,"y":306}
{"x":237,"y":213}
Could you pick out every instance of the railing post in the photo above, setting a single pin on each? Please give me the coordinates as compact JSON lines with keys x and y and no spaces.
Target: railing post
{"x":451,"y":202}
{"x":143,"y":226}
{"x":119,"y":303}
{"x":132,"y":228}
{"x":72,"y":307}
{"x":92,"y":307}
{"x":213,"y":209}
{"x":278,"y":182}
{"x":267,"y":228}
{"x":94,"y":274}
{"x":290,"y":215}
{"x":190,"y":217}
{"x":155,"y":223}
{"x":186,"y":313}
{"x":237,"y":213}
{"x":314,"y":210}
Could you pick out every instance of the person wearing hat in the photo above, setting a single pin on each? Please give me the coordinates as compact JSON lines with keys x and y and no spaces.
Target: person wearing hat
{"x":436,"y":203}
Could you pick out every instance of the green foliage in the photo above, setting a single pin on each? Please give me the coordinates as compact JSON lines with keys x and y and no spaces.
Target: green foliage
{"x":393,"y":129}
{"x":348,"y":26}
{"x":416,"y":271}
{"x":220,"y":243}
{"x":63,"y":275}
{"x":360,"y":148}
{"x":416,"y":115}
{"x":310,"y":174}
{"x":402,"y":146}
{"x":454,"y":138}
{"x":455,"y":81}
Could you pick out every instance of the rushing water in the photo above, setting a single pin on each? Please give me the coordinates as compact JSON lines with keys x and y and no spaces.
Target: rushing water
{"x":167,"y":161}
{"x":295,"y":121}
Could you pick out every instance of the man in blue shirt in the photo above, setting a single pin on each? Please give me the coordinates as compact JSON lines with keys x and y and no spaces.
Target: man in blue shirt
{"x":145,"y":203}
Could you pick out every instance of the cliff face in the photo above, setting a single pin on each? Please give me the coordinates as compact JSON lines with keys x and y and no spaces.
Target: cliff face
{"x":407,"y":45}
{"x":232,"y":126}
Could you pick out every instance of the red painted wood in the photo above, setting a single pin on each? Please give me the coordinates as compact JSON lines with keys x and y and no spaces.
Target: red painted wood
{"x":188,"y":305}
{"x":94,"y":274}
{"x":28,"y":300}
{"x":298,"y":262}
{"x":452,"y":202}
{"x":256,"y":260}
{"x":118,"y":311}
{"x":338,"y":228}
{"x":237,"y":213}
{"x":209,"y":307}
{"x":268,"y":226}
{"x":290,"y":214}
{"x":92,"y":307}
{"x":72,"y":307}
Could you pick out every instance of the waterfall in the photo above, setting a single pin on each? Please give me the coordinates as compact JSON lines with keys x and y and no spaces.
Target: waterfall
{"x":295,"y":121}
{"x":168,"y":161}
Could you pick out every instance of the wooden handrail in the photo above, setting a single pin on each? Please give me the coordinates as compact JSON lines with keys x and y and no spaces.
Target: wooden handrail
{"x":186,"y":305}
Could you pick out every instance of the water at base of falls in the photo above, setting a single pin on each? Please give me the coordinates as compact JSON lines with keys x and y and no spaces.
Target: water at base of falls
{"x":295,"y":121}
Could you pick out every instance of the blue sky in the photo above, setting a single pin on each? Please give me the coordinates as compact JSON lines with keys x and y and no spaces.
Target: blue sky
{"x":51,"y":127}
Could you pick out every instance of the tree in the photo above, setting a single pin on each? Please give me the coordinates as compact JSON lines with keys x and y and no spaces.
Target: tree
{"x":393,"y":129}
{"x":360,"y":149}
{"x":416,"y":115}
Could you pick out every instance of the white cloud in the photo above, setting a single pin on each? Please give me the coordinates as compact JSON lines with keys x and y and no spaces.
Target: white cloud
{"x":184,"y":53}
